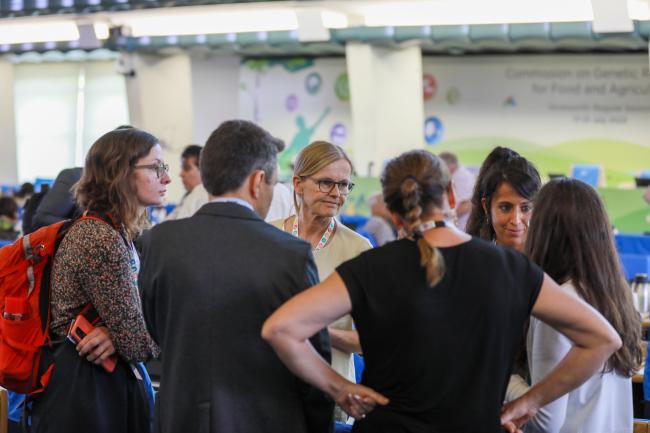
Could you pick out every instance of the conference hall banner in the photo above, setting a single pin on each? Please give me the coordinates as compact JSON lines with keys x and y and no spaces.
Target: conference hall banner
{"x":582,"y":115}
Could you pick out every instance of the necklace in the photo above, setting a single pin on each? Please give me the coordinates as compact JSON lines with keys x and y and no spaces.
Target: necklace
{"x":323,"y":239}
{"x":430,"y":225}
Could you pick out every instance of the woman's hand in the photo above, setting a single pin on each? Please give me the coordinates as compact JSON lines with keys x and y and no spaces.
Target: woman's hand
{"x":516,"y":413}
{"x":96,"y":346}
{"x":358,"y":400}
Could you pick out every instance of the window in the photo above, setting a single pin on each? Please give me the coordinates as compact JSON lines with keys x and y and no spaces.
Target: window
{"x":61,"y":109}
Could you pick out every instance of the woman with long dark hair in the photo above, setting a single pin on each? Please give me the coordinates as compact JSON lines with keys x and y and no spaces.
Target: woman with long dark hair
{"x":503,"y":198}
{"x":571,"y":239}
{"x":96,"y":267}
{"x":439,"y":315}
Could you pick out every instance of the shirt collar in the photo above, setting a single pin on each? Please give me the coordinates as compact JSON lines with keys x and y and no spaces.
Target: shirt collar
{"x":236,"y":200}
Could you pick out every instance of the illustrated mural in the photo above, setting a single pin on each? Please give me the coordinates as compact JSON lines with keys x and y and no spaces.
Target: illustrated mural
{"x":561,"y":112}
{"x":298,"y":100}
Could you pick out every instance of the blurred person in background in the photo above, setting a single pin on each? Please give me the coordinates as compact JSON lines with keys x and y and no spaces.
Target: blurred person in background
{"x":463,"y":186}
{"x":23,"y":194}
{"x":195,"y":194}
{"x":8,"y":219}
{"x":380,"y":225}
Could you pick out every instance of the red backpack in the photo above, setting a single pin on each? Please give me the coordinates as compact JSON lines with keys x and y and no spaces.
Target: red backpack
{"x":25,"y":268}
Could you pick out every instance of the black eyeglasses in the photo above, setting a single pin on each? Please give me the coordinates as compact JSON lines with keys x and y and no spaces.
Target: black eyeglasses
{"x":327,"y":185}
{"x":161,"y":169}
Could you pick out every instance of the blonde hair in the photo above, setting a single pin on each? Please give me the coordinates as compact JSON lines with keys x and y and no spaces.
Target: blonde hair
{"x":313,"y":158}
{"x":413,"y":183}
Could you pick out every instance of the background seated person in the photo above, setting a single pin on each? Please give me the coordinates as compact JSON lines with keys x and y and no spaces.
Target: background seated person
{"x":8,"y":219}
{"x":380,"y":225}
{"x":195,"y":194}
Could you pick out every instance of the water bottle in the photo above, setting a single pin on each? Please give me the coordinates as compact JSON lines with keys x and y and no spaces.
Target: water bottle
{"x":15,"y":308}
{"x":641,"y":294}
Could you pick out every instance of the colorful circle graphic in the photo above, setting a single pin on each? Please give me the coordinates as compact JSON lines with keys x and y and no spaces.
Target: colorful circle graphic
{"x":429,"y":87}
{"x":453,"y":96}
{"x":291,"y":103}
{"x":338,"y":134}
{"x":342,"y":87}
{"x":313,"y":82}
{"x":433,"y":130}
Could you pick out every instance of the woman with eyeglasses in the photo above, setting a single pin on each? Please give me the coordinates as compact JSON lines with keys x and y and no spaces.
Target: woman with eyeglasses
{"x":321,"y":184}
{"x":95,"y":268}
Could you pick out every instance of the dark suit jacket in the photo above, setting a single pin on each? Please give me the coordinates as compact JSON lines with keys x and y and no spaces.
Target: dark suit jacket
{"x":208,"y":284}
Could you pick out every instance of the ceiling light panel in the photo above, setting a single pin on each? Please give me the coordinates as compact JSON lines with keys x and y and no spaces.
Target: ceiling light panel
{"x":212,"y":22}
{"x":449,"y":12}
{"x":639,"y":9}
{"x":38,"y":31}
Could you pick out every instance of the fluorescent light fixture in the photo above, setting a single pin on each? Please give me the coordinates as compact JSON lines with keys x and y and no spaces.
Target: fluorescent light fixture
{"x":222,"y":19}
{"x":334,"y":20}
{"x":101,"y":30}
{"x":212,"y":23}
{"x":38,"y":31}
{"x":639,"y":9}
{"x":448,"y":12}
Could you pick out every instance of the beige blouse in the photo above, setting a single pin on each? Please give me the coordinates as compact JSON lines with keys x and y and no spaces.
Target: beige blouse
{"x":344,"y":245}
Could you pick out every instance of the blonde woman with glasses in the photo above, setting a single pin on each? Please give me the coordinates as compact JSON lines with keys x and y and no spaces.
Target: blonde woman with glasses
{"x":322,"y":182}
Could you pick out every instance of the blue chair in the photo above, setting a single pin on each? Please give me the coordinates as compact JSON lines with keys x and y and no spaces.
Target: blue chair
{"x":4,"y":243}
{"x":8,"y":189}
{"x":591,"y":174}
{"x":40,"y":181}
{"x":354,"y":221}
{"x":635,"y":264}
{"x":632,"y":244}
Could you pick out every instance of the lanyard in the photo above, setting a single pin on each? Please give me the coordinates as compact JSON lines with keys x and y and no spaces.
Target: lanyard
{"x":323,"y":239}
{"x":430,"y":225}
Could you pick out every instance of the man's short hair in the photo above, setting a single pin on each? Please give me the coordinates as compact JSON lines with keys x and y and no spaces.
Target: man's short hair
{"x":192,"y":151}
{"x":448,"y":157}
{"x":234,"y":150}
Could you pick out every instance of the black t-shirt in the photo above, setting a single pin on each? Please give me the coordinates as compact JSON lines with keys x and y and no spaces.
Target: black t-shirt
{"x":441,"y":354}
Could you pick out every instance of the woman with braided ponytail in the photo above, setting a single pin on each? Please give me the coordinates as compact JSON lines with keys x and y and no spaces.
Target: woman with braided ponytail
{"x":439,"y":315}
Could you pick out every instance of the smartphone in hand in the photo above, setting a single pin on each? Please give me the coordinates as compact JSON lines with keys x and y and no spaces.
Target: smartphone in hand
{"x":79,"y":329}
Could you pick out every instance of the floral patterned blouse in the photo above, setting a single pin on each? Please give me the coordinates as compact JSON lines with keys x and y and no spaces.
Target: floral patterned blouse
{"x":94,"y":265}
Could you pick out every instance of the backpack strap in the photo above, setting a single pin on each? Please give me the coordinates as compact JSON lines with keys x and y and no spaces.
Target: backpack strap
{"x":107,"y":218}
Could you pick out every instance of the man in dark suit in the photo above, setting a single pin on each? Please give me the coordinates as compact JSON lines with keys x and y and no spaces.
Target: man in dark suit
{"x":210,"y":281}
